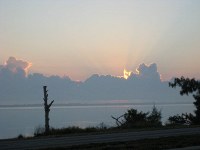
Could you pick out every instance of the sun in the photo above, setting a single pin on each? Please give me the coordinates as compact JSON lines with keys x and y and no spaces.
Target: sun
{"x":126,"y":74}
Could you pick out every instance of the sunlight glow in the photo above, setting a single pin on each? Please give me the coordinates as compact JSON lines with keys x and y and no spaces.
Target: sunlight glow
{"x":126,"y":74}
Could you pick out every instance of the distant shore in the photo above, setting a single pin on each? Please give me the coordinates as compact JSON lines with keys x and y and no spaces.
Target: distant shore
{"x":95,"y":104}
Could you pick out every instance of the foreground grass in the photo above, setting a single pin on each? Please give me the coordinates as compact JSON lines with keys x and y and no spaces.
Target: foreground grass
{"x":40,"y":131}
{"x":71,"y":130}
{"x":150,"y":144}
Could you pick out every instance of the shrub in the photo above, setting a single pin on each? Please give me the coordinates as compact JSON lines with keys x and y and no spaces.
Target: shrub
{"x":138,"y":119}
{"x":183,"y":119}
{"x":134,"y":118}
{"x":154,"y":119}
{"x":20,"y":136}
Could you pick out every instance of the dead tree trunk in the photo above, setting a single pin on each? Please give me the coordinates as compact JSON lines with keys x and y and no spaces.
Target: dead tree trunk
{"x":118,"y":122}
{"x":46,"y":109}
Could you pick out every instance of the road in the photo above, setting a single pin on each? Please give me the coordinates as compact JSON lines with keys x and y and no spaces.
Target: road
{"x":50,"y":142}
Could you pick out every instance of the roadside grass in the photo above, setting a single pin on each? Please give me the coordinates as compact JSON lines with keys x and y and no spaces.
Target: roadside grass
{"x":69,"y":130}
{"x":100,"y":129}
{"x":150,"y":144}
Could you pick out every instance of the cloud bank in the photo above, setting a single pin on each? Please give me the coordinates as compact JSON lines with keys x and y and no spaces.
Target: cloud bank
{"x":145,"y":85}
{"x":15,"y":66}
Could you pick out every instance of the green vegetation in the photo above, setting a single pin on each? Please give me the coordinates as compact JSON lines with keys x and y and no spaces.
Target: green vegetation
{"x":134,"y":119}
{"x":178,"y":120}
{"x":40,"y":131}
{"x":189,"y":86}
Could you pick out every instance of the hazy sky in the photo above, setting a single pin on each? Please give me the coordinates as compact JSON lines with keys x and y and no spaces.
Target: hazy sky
{"x":78,"y":38}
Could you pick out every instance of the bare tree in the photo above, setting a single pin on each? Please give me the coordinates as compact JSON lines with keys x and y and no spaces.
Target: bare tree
{"x":46,"y":109}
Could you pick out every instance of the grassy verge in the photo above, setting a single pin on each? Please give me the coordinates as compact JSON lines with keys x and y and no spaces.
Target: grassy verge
{"x":150,"y":144}
{"x":40,"y":131}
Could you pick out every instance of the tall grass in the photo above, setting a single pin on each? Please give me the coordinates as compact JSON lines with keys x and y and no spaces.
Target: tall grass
{"x":40,"y":131}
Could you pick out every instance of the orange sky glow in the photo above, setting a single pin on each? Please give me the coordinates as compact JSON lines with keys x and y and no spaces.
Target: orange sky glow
{"x":80,"y":38}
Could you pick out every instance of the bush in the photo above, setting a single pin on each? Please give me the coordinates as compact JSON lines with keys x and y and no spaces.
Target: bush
{"x":20,"y":136}
{"x":183,"y":119}
{"x":154,"y":119}
{"x":135,"y":119}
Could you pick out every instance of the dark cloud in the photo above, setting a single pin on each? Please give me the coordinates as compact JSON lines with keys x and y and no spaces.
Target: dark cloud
{"x":146,"y":72}
{"x":144,"y":85}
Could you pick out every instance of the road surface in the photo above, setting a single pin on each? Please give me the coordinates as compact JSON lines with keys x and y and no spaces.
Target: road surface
{"x":65,"y":141}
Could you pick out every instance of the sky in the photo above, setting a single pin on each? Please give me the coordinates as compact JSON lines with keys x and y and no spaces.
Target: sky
{"x":78,"y":38}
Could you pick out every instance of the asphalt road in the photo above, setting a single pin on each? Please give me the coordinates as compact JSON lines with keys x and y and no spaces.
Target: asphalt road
{"x":50,"y":142}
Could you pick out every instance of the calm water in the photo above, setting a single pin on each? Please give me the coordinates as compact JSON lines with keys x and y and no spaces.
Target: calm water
{"x":23,"y":120}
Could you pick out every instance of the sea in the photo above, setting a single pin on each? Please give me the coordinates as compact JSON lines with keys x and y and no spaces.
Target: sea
{"x":25,"y":119}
